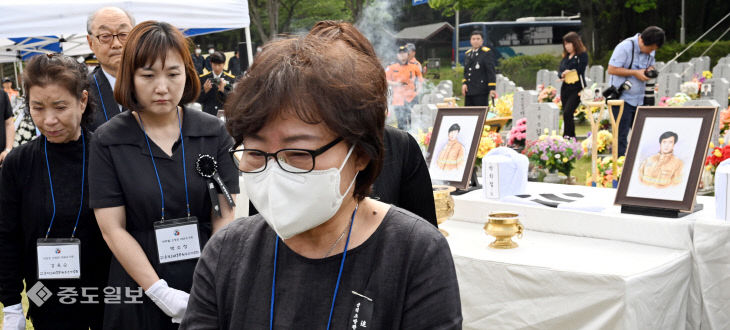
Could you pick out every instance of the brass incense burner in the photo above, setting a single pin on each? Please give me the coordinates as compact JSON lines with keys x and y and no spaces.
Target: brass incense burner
{"x":504,"y":225}
{"x":444,"y":204}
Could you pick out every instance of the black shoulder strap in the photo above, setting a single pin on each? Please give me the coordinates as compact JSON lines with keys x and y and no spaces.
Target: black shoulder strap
{"x":632,"y":55}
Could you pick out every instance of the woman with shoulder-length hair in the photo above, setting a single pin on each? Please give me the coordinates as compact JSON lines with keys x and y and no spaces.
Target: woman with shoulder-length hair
{"x":572,"y":73}
{"x":149,"y":181}
{"x":48,"y":233}
{"x":308,"y":122}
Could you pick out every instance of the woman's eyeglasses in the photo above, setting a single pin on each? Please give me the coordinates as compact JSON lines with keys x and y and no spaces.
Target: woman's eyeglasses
{"x":289,"y":160}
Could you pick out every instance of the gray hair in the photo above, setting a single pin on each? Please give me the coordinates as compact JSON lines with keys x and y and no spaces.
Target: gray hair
{"x":90,"y":19}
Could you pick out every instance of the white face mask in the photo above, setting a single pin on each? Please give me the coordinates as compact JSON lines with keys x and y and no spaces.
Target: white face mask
{"x":294,"y":203}
{"x":197,"y":51}
{"x":211,"y":51}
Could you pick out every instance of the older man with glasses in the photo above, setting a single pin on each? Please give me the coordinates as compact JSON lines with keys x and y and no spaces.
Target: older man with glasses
{"x":107,"y":29}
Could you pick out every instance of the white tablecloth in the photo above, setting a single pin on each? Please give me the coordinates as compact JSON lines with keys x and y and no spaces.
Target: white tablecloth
{"x":565,"y":282}
{"x":700,"y":234}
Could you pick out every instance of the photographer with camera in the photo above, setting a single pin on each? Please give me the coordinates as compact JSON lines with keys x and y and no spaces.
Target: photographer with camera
{"x":630,"y":67}
{"x":216,"y":85}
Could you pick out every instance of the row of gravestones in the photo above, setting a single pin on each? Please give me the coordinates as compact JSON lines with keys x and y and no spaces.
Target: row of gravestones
{"x":423,"y":114}
{"x":505,"y":86}
{"x":670,"y":80}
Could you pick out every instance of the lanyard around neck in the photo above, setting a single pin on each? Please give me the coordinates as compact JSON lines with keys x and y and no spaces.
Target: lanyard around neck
{"x":157,"y":175}
{"x":50,"y":183}
{"x":101,"y":99}
{"x":339,"y":275}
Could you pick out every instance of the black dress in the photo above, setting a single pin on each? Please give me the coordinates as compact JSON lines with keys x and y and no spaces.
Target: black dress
{"x":405,"y":268}
{"x":121,"y":174}
{"x":569,"y":92}
{"x":26,"y":209}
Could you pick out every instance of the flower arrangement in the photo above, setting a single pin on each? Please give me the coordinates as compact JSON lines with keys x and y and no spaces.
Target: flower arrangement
{"x":518,"y":135}
{"x":503,"y":105}
{"x":690,"y":88}
{"x":554,"y":152}
{"x":604,"y":139}
{"x":706,"y":75}
{"x":675,"y":101}
{"x":558,"y":102}
{"x":424,"y":138}
{"x":718,"y":154}
{"x":605,"y":172}
{"x":489,"y":140}
{"x":547,"y":94}
{"x":724,"y":120}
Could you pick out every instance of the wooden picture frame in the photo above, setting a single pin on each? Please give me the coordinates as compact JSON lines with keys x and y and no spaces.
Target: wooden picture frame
{"x":652,"y":181}
{"x":470,"y":121}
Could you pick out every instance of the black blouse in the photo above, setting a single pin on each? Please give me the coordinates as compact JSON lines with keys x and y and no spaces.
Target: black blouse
{"x":579,"y":63}
{"x":121,"y":174}
{"x":25,"y":213}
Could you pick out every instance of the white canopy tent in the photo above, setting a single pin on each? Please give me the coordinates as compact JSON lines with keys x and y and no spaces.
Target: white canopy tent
{"x":45,"y":26}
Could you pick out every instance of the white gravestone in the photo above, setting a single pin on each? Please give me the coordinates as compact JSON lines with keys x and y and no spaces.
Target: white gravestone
{"x":688,"y":72}
{"x":555,"y":81}
{"x":542,"y":78}
{"x":541,"y":116}
{"x":715,"y":89}
{"x":510,"y":88}
{"x":708,"y":103}
{"x":423,"y":116}
{"x":721,"y":71}
{"x":668,"y":84}
{"x":520,"y":103}
{"x":724,"y":60}
{"x":699,"y":65}
{"x":595,"y":74}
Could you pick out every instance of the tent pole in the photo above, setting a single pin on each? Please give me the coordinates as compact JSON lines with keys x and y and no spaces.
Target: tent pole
{"x":15,"y":70}
{"x":249,"y":49}
{"x":20,"y":64}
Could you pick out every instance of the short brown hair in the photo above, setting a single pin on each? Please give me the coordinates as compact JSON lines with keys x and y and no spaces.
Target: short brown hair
{"x":149,"y":41}
{"x":43,"y":70}
{"x":339,"y":30}
{"x":573,"y":38}
{"x":319,"y":81}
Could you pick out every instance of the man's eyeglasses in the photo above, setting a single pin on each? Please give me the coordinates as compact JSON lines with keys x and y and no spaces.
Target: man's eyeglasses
{"x":290,"y":160}
{"x":106,"y":38}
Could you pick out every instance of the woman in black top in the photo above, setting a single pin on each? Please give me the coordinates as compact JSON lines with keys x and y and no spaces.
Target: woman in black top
{"x":308,"y":122}
{"x":152,"y":204}
{"x":572,"y":72}
{"x":44,"y":206}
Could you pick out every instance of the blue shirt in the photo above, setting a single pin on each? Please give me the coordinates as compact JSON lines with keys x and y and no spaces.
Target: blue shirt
{"x":621,"y":58}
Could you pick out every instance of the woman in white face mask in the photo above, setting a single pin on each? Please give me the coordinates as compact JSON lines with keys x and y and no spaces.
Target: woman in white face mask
{"x":308,"y":124}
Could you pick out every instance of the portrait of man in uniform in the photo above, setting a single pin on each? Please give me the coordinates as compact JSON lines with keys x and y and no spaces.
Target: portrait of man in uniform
{"x":453,"y":156}
{"x":663,"y":169}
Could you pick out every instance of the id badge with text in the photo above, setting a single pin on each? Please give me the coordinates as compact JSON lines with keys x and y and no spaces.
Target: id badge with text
{"x":177,"y":239}
{"x":59,"y":258}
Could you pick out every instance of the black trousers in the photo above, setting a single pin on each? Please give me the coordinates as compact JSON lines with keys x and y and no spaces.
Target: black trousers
{"x":624,"y":127}
{"x":570,"y":100}
{"x":476,"y":100}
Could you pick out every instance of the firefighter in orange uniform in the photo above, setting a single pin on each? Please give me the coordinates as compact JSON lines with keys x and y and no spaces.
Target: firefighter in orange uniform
{"x":403,"y":79}
{"x":663,"y":169}
{"x":453,"y":155}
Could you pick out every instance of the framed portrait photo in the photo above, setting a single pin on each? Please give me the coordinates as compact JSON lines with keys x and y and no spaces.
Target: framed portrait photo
{"x":665,"y":158}
{"x":454,"y":142}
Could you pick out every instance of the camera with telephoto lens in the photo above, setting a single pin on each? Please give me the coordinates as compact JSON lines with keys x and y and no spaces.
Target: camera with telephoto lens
{"x":215,"y":81}
{"x":613,"y":93}
{"x":651,"y":73}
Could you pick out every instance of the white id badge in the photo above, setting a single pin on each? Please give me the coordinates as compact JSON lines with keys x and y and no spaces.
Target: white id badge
{"x":177,"y":239}
{"x":59,"y":258}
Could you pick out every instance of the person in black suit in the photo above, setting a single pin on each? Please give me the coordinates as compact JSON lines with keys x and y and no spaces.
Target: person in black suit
{"x":479,"y":76}
{"x":107,"y":29}
{"x":216,"y":85}
{"x":198,"y":60}
{"x":234,"y":65}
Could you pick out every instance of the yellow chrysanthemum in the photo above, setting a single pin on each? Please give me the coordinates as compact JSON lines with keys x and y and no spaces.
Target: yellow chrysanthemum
{"x":717,"y":153}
